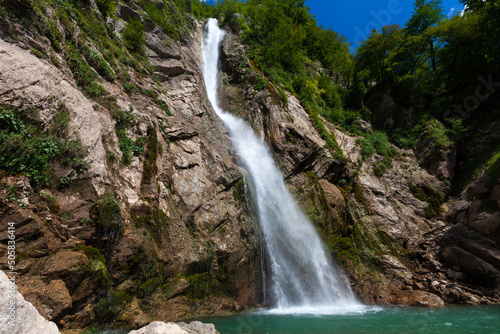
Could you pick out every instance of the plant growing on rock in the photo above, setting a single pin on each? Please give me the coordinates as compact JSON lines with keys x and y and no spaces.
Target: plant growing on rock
{"x":133,"y":36}
{"x":107,"y":213}
{"x":28,"y":150}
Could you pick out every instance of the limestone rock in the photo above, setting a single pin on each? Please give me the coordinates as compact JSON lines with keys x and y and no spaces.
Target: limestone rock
{"x":478,"y":189}
{"x":84,"y":318}
{"x":467,"y":299}
{"x":417,"y":298}
{"x":44,"y":87}
{"x":485,"y":252}
{"x":157,"y":41}
{"x":67,"y":265}
{"x":486,"y":223}
{"x":392,"y":266}
{"x":171,"y":67}
{"x":197,"y":327}
{"x":133,"y":316}
{"x":126,"y":13}
{"x":367,"y":127}
{"x":158,"y":327}
{"x":495,"y":194}
{"x":54,"y":297}
{"x":27,"y":318}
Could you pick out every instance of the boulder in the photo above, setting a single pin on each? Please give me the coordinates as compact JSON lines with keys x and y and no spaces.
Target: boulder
{"x":485,"y":252}
{"x":417,"y":298}
{"x":67,"y":265}
{"x":27,"y":319}
{"x":171,"y":67}
{"x":156,"y":41}
{"x":126,"y":13}
{"x":197,"y":327}
{"x":472,"y":266}
{"x":158,"y":327}
{"x":133,"y":316}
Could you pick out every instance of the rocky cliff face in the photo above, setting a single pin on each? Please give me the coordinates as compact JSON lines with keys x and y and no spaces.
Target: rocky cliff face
{"x":157,"y":224}
{"x":392,"y":232}
{"x":161,"y":234}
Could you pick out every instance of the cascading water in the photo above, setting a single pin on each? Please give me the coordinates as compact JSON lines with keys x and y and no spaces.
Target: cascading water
{"x":303,"y":276}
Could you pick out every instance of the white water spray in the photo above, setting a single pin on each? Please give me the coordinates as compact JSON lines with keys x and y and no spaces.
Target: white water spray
{"x":303,"y":277}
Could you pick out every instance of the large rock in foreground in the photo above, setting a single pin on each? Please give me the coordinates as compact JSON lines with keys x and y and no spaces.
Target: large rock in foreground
{"x":27,"y":319}
{"x":195,"y":327}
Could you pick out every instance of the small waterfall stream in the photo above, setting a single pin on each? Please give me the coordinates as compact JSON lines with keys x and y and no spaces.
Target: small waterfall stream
{"x":303,"y":277}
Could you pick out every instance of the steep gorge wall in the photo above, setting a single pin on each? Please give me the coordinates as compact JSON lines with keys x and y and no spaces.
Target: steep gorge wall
{"x":389,"y":232}
{"x":165,"y":235}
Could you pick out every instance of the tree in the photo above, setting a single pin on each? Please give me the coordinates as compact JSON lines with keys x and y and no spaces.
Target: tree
{"x":374,"y":53}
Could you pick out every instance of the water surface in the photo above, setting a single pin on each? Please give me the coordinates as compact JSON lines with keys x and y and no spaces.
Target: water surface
{"x":373,"y":320}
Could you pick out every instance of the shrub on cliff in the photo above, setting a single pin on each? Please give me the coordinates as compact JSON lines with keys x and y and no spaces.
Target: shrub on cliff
{"x":133,"y":36}
{"x":27,"y":150}
{"x":107,"y":213}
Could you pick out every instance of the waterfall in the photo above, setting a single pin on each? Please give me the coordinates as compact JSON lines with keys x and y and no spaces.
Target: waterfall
{"x":303,"y":276}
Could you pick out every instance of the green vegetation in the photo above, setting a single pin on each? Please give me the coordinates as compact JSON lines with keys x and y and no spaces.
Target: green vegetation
{"x":27,"y":150}
{"x":99,"y":64}
{"x":133,"y":36}
{"x":82,"y":72}
{"x":110,"y":305}
{"x":239,"y":191}
{"x":106,"y":213}
{"x":153,"y":222}
{"x":432,"y":68}
{"x":435,"y":66}
{"x":106,"y":7}
{"x":91,"y":252}
{"x":377,"y":142}
{"x":431,"y":196}
{"x":64,"y":183}
{"x":125,"y":120}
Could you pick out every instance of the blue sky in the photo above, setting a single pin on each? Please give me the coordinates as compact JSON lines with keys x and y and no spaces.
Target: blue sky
{"x":356,"y":18}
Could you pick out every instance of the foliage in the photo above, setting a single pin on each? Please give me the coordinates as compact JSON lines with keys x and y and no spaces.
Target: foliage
{"x":239,"y":191}
{"x":107,"y":213}
{"x":64,"y":183}
{"x":160,"y":17}
{"x":91,"y":252}
{"x":133,"y":35}
{"x":27,"y":150}
{"x":201,"y":9}
{"x":377,"y":142}
{"x":429,"y":195}
{"x":163,"y":106}
{"x":99,"y":64}
{"x":440,"y":72}
{"x":106,"y":7}
{"x":125,"y":120}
